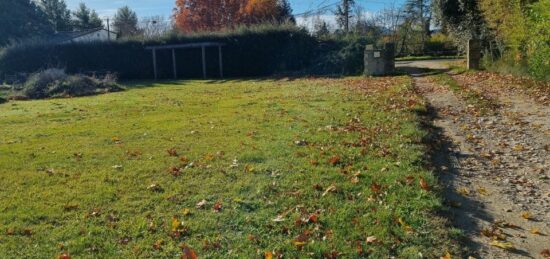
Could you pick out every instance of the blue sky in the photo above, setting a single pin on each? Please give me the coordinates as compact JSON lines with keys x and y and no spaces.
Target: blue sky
{"x":164,"y":7}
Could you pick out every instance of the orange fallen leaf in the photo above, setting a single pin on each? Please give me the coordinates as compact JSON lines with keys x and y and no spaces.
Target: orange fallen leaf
{"x":535,"y":231}
{"x":268,"y":255}
{"x":313,"y":218}
{"x":375,"y":187}
{"x":526,"y":215}
{"x":217,"y":207}
{"x":334,"y":160}
{"x":64,"y":256}
{"x":424,"y":185}
{"x":188,"y":253}
{"x":446,"y":256}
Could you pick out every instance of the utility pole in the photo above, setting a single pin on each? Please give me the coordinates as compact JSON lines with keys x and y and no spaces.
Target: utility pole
{"x":346,"y":18}
{"x":108,"y":29}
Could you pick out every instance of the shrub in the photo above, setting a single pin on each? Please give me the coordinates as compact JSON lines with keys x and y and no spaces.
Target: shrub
{"x":2,"y":100}
{"x":37,"y":85}
{"x":538,"y":54}
{"x":56,"y":83}
{"x":343,"y":56}
{"x":255,"y":51}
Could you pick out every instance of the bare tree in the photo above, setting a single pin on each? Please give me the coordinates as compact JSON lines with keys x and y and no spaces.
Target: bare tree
{"x":155,"y":27}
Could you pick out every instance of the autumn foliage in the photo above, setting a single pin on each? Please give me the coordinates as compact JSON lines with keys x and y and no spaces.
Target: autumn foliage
{"x":213,"y":15}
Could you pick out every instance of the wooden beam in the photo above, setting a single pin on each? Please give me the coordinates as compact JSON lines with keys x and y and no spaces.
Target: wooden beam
{"x":185,"y":46}
{"x":221,"y":60}
{"x":155,"y":63}
{"x":174,"y":63}
{"x":203,"y":62}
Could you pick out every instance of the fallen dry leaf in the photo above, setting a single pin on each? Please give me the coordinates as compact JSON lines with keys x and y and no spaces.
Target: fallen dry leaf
{"x":375,"y":187}
{"x":482,"y":191}
{"x":545,"y":253}
{"x":64,"y":256}
{"x":217,"y":207}
{"x":526,"y":215}
{"x":535,"y":231}
{"x":248,"y":168}
{"x":446,"y":256}
{"x":330,"y":189}
{"x":188,"y":253}
{"x":186,"y":211}
{"x":371,"y":239}
{"x":268,"y":255}
{"x":172,"y":152}
{"x":464,"y":191}
{"x":424,"y":185}
{"x":334,"y":160}
{"x":201,"y":204}
{"x":503,"y":245}
{"x":158,"y":244}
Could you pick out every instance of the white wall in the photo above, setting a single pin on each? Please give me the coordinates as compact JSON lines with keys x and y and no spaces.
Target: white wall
{"x":101,"y":35}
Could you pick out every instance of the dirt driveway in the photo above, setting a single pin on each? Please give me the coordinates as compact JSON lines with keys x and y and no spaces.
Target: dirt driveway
{"x":494,"y":166}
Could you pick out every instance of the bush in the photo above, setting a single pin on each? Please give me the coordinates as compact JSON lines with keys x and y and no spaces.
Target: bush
{"x":538,"y":54}
{"x":37,"y":85}
{"x":56,"y":83}
{"x":255,"y":51}
{"x":2,"y":100}
{"x":343,"y":56}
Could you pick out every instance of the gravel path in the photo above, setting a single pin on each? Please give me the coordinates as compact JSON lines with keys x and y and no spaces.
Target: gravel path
{"x":495,"y":168}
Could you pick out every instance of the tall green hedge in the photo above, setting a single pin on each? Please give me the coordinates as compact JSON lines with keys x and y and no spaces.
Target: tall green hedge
{"x":255,"y":51}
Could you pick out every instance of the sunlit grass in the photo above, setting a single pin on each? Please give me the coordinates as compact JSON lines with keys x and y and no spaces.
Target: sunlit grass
{"x":308,"y":167}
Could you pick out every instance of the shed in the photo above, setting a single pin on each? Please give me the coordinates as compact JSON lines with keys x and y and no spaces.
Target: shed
{"x":173,"y":47}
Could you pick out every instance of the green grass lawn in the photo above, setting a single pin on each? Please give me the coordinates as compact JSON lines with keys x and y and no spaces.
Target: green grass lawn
{"x":302,"y":168}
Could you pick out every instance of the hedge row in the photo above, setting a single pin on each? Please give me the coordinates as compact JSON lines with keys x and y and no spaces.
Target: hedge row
{"x":249,"y":52}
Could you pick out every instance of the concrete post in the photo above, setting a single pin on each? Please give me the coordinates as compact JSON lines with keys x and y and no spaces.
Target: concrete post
{"x":473,"y":54}
{"x":389,"y":58}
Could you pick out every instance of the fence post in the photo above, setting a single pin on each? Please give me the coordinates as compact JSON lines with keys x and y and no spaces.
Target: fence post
{"x":474,"y":54}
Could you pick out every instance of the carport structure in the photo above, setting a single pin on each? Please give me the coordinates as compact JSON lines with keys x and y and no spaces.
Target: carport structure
{"x":202,"y":45}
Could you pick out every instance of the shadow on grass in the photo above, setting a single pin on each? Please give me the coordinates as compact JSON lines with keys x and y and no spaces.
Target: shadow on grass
{"x":137,"y":84}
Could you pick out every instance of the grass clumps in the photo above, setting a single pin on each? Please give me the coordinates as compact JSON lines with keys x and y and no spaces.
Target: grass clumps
{"x":471,"y":96}
{"x":56,"y":83}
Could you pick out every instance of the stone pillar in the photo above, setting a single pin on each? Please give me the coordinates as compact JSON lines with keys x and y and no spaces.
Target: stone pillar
{"x":389,"y":58}
{"x":473,"y":54}
{"x":374,"y":62}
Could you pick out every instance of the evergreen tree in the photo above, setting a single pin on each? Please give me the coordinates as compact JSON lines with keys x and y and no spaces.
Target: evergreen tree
{"x":285,"y":12}
{"x":343,"y":14}
{"x":86,"y":19}
{"x":321,"y":29}
{"x":20,"y":19}
{"x":126,"y":22}
{"x":57,"y":13}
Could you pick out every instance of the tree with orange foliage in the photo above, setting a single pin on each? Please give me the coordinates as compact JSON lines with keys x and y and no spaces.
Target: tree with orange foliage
{"x":213,"y":15}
